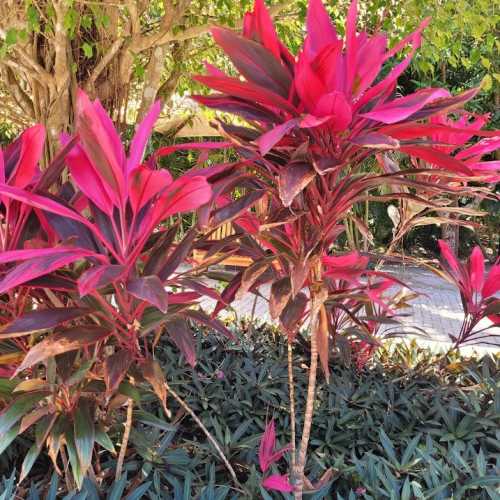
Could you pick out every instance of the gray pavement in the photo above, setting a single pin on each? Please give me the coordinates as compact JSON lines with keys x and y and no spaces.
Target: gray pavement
{"x":437,"y":310}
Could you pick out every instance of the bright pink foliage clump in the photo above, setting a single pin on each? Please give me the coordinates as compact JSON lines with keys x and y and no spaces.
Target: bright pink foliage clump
{"x":269,"y":455}
{"x":477,"y":291}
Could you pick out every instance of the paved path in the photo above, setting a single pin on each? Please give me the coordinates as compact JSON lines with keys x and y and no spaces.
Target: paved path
{"x":437,"y":310}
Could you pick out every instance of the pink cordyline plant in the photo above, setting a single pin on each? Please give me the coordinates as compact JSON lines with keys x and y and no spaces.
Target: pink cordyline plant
{"x":450,"y":134}
{"x":312,"y":121}
{"x":477,"y":291}
{"x":93,"y":266}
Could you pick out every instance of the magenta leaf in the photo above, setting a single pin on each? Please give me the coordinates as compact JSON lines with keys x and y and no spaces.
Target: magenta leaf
{"x":101,"y":143}
{"x":267,"y":444}
{"x":39,"y":266}
{"x":145,"y":183}
{"x":492,"y":283}
{"x":98,"y":277}
{"x":277,"y":482}
{"x":399,"y":109}
{"x":141,"y":137}
{"x":32,"y":142}
{"x":268,"y":140}
{"x":476,"y":269}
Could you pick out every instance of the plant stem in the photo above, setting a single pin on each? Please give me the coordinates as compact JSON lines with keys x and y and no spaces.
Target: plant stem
{"x":317,"y":301}
{"x":67,"y":475}
{"x":212,"y":440}
{"x":291,"y":392}
{"x":126,"y":435}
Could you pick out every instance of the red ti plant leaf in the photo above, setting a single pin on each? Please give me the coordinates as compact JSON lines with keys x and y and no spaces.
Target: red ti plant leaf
{"x":39,"y":266}
{"x":254,"y":62}
{"x":183,"y":338}
{"x":437,"y":158}
{"x":182,"y":195}
{"x":234,"y":209}
{"x":31,"y":147}
{"x":69,"y":340}
{"x":36,"y":321}
{"x":293,"y":314}
{"x":258,"y":26}
{"x":268,"y":455}
{"x":115,"y":369}
{"x":102,"y":144}
{"x":145,"y":183}
{"x":88,"y":179}
{"x":293,"y":179}
{"x":267,"y":141}
{"x":476,"y":291}
{"x":98,"y":277}
{"x":492,"y":283}
{"x":277,"y":482}
{"x":149,"y":289}
{"x":399,"y":109}
{"x":377,"y":141}
{"x":348,"y":267}
{"x":201,"y":318}
{"x":281,"y":291}
{"x":247,"y":91}
{"x":250,"y":276}
{"x":141,"y":137}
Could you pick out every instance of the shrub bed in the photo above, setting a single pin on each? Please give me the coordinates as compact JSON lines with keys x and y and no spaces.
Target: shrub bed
{"x":410,"y":425}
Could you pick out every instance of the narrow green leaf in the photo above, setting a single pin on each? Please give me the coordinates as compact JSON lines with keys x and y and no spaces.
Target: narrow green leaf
{"x":73,"y":459}
{"x":8,"y":437}
{"x":17,"y":409}
{"x":84,"y":434}
{"x":29,"y":461}
{"x":118,"y":488}
{"x":103,"y":439}
{"x":150,"y":419}
{"x":140,"y":491}
{"x":54,"y":484}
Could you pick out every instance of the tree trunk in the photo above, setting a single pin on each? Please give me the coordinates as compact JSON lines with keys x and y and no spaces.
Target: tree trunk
{"x":450,"y":232}
{"x":318,"y":298}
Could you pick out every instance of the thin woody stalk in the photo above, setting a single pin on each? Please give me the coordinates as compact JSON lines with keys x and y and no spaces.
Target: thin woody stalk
{"x":291,"y":392}
{"x":318,"y":296}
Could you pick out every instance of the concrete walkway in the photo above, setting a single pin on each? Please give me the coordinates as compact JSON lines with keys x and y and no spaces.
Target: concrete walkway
{"x":437,"y":310}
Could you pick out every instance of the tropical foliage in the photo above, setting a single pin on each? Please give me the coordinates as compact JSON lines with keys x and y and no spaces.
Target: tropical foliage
{"x":95,"y":274}
{"x":413,"y":426}
{"x":313,"y":120}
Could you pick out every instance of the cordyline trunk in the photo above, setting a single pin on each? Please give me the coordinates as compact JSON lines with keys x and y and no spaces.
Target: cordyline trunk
{"x":318,"y":296}
{"x":450,"y":232}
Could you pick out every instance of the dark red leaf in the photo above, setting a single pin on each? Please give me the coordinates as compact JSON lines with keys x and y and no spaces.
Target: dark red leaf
{"x":40,"y":320}
{"x":149,"y":289}
{"x":293,"y":179}
{"x":293,"y":314}
{"x":254,"y":62}
{"x":115,"y":369}
{"x":281,"y":292}
{"x":247,"y":91}
{"x":183,"y":338}
{"x":236,"y":208}
{"x":98,"y":277}
{"x":203,"y":319}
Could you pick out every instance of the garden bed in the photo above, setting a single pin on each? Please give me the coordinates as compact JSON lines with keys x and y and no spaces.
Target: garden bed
{"x":410,"y":425}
